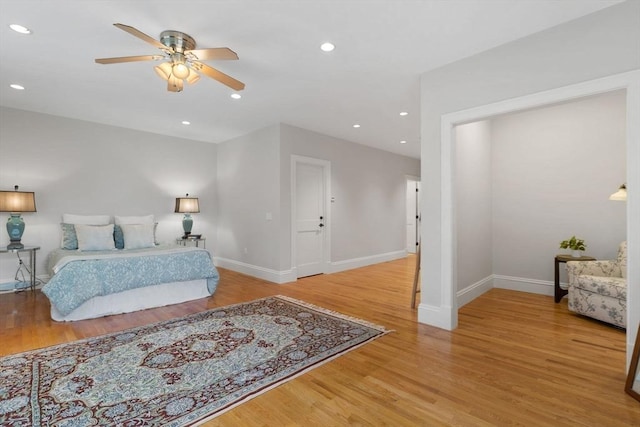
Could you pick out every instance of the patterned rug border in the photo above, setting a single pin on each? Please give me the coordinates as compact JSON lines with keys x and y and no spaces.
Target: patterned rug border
{"x":231,"y":405}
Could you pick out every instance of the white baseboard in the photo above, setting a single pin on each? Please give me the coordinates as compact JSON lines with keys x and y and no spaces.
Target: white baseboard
{"x":268,"y":274}
{"x":534,"y":286}
{"x":337,"y":266}
{"x":473,"y":291}
{"x":290,"y":275}
{"x":438,"y":316}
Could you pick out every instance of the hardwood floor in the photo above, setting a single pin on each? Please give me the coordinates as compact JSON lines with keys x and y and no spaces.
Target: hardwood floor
{"x":515,"y":359}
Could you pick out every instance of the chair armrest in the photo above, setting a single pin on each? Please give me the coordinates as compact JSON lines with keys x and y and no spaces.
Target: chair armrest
{"x":602,"y":268}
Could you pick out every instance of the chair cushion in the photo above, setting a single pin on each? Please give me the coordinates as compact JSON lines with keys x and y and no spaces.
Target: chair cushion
{"x":614,"y":287}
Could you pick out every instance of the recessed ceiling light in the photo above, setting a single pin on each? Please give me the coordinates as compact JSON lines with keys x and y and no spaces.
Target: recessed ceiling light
{"x":327,"y":47}
{"x":20,"y":29}
{"x":404,"y":113}
{"x":17,"y":87}
{"x":186,"y":122}
{"x":236,"y":96}
{"x":403,"y":142}
{"x":356,"y":125}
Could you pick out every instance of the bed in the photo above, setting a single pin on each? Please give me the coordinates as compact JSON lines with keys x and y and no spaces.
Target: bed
{"x":85,"y":285}
{"x":104,"y":269}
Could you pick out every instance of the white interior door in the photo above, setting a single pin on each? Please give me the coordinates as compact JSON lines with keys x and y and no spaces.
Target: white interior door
{"x":413,"y":215}
{"x":310,"y":220}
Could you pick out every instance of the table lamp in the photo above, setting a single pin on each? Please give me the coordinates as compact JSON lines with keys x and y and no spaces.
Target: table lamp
{"x":187,"y":205}
{"x":15,"y":202}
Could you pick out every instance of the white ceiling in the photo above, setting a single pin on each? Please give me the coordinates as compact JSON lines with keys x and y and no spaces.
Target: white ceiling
{"x":382,"y":47}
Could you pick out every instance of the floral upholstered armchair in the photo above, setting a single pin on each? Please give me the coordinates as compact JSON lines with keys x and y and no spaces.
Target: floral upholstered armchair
{"x":598,"y":289}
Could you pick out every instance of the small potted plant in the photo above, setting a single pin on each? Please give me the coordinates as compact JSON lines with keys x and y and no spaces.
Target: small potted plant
{"x":576,"y":245}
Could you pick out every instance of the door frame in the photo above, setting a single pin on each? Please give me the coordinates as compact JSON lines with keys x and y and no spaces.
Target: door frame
{"x":326,"y":245}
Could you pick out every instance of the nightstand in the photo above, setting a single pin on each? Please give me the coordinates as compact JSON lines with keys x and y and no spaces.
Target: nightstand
{"x":32,"y":261}
{"x":185,"y":241}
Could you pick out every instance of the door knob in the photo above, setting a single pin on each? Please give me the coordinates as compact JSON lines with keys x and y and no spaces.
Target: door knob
{"x":321,"y":225}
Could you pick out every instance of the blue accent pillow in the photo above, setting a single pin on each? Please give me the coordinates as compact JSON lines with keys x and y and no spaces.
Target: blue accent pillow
{"x":118,"y":236}
{"x":69,"y":237}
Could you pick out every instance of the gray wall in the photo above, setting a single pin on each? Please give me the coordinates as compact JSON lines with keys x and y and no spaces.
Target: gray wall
{"x":473,"y":203}
{"x":86,"y":168}
{"x":249,"y":188}
{"x":525,"y":181}
{"x":254,"y":179}
{"x":369,"y":185}
{"x":553,"y":171}
{"x":598,"y":45}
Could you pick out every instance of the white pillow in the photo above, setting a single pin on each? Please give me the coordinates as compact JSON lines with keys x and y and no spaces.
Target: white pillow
{"x":85,"y":219}
{"x":138,"y":236}
{"x":95,"y":237}
{"x":145,"y":219}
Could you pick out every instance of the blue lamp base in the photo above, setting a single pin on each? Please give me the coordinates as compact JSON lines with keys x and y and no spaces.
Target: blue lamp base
{"x":187,"y":224}
{"x":15,"y":228}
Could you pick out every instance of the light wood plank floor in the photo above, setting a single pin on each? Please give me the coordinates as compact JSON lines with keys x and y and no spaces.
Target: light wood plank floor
{"x":516,"y":358}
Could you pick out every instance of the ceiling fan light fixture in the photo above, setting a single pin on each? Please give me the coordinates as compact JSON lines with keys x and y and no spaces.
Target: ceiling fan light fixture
{"x":174,"y":84}
{"x":180,"y":70}
{"x":193,"y":77}
{"x":182,"y":59}
{"x":163,"y":70}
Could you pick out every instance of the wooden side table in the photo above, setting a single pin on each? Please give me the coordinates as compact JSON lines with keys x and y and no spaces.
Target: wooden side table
{"x":557,"y":290}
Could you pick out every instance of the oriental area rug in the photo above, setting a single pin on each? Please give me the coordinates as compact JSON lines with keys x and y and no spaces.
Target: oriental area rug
{"x":179,"y":372}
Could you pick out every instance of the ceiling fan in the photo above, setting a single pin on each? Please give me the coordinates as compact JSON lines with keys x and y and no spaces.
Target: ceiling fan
{"x":183,"y":59}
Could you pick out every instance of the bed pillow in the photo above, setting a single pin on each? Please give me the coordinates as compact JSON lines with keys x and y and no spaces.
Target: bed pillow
{"x":69,"y":238}
{"x":119,"y":237}
{"x":85,"y":219}
{"x":95,"y":237}
{"x":137,"y":236}
{"x":145,"y":219}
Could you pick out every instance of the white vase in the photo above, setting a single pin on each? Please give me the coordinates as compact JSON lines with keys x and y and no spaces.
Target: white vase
{"x":576,"y":254}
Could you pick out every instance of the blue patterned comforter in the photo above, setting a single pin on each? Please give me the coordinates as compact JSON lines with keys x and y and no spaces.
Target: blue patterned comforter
{"x":79,"y":276}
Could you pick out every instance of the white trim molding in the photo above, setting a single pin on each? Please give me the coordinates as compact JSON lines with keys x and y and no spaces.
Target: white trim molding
{"x":474,"y":290}
{"x":268,"y":274}
{"x":523,"y":284}
{"x":444,"y":317}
